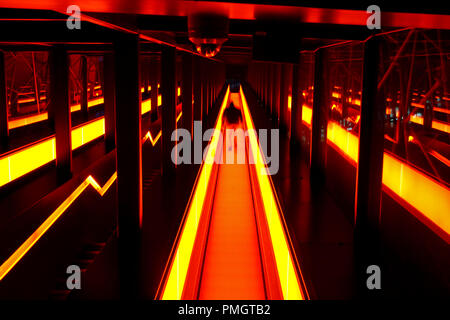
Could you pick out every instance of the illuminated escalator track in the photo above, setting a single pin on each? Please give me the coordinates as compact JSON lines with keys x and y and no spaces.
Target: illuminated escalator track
{"x":232,"y":264}
{"x":232,"y":243}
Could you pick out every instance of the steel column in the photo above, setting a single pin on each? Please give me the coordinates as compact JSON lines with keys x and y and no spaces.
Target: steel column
{"x":59,"y":100}
{"x":186,"y":92}
{"x":296,"y":108}
{"x":4,"y":132}
{"x":168,"y":113}
{"x":319,"y":120}
{"x":129,"y":162}
{"x":110,"y":101}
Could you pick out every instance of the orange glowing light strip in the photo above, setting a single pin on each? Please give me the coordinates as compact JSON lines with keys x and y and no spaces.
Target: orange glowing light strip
{"x":416,"y":119}
{"x":42,"y":229}
{"x":387,"y":137}
{"x":148,"y":135}
{"x":91,"y":103}
{"x":427,"y":196}
{"x":179,"y":91}
{"x":174,"y":285}
{"x":95,"y":102}
{"x":25,"y":100}
{"x":336,"y":95}
{"x":28,"y":120}
{"x":87,"y":132}
{"x":306,"y":115}
{"x":75,"y":107}
{"x":436,"y":109}
{"x":289,"y":102}
{"x":146,"y":106}
{"x":417,"y":105}
{"x":343,"y":140}
{"x":18,"y":163}
{"x":16,"y":123}
{"x":414,"y":187}
{"x":159,"y":100}
{"x":441,"y":126}
{"x":440,"y":157}
{"x":283,"y":256}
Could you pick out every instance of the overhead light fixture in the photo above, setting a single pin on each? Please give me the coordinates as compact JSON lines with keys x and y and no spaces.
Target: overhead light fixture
{"x":208,"y":32}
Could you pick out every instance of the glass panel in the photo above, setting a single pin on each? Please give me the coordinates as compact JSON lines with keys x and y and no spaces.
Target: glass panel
{"x":414,"y":73}
{"x":343,"y":83}
{"x":27,"y":80}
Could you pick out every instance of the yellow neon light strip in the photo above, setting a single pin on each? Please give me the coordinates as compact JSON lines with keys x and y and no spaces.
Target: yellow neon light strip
{"x":18,"y":163}
{"x":148,"y":135}
{"x":427,"y":196}
{"x":285,"y":265}
{"x":159,"y":100}
{"x":87,"y":132}
{"x":12,"y":124}
{"x":27,"y":120}
{"x":440,"y":157}
{"x":80,"y":136}
{"x":416,"y":119}
{"x":423,"y":193}
{"x":178,"y":269}
{"x":306,"y":115}
{"x":96,"y":102}
{"x":344,"y":140}
{"x":21,"y":162}
{"x":441,"y":126}
{"x":146,"y":106}
{"x":31,"y":241}
{"x":91,"y":103}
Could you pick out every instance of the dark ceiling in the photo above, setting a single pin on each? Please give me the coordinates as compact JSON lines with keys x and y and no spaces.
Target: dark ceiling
{"x":314,"y":23}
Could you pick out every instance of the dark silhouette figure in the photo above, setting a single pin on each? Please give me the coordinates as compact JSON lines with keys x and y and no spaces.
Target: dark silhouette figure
{"x":232,"y":119}
{"x":232,"y":116}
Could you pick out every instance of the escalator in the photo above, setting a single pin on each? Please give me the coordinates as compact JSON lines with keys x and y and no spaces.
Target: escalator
{"x":230,"y":247}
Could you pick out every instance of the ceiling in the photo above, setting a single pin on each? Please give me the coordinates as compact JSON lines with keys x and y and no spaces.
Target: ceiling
{"x":316,"y":23}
